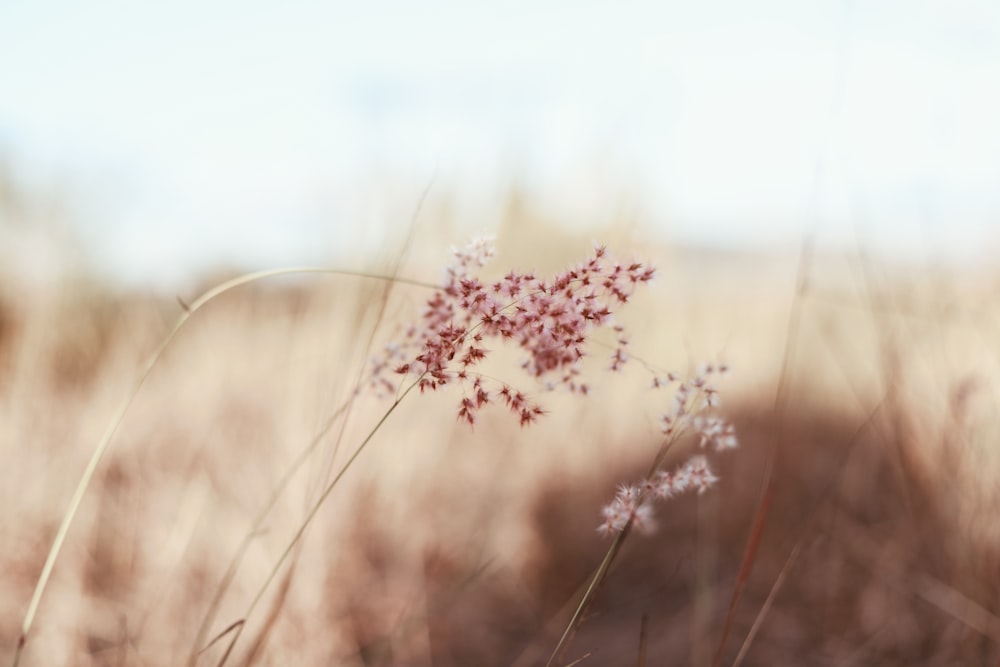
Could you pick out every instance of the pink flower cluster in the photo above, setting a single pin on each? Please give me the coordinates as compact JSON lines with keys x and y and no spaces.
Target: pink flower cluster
{"x":632,"y":504}
{"x":551,"y":320}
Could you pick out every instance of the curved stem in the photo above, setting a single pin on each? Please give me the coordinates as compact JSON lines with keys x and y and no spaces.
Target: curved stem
{"x":309,"y":517}
{"x":119,"y":415}
{"x":230,"y":573}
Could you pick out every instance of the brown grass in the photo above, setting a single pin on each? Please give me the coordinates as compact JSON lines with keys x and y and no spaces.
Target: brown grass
{"x":447,"y":546}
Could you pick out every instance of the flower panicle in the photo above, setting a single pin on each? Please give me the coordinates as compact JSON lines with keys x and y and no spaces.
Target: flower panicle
{"x":689,"y":408}
{"x":550,"y":320}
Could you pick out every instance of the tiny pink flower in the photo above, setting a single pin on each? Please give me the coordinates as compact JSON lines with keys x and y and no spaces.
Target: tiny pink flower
{"x":550,"y":320}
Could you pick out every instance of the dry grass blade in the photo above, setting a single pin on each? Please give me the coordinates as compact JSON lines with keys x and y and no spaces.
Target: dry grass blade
{"x":958,"y":606}
{"x":759,"y":620}
{"x":749,"y":557}
{"x":280,"y":601}
{"x":643,"y":639}
{"x":217,"y":638}
{"x":119,"y":415}
{"x":255,"y":529}
{"x":307,"y":521}
{"x":767,"y":484}
{"x":343,"y":410}
{"x":619,"y":539}
{"x":317,"y":439}
{"x":595,"y":583}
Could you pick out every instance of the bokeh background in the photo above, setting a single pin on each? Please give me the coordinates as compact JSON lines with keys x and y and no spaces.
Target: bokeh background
{"x":186,"y":136}
{"x":817,"y":185}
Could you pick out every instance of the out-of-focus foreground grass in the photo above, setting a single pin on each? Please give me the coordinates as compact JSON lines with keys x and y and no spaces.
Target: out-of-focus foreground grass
{"x":874,"y":389}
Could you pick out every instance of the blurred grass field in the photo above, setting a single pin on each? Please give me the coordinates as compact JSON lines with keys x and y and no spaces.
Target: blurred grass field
{"x":875,"y":387}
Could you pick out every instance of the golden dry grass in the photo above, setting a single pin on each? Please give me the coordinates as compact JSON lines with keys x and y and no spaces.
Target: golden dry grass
{"x":447,"y":546}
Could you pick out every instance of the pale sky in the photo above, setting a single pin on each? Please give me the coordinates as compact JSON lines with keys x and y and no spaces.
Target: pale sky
{"x":197,"y":133}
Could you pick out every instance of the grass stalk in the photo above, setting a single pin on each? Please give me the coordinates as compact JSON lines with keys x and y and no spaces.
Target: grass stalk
{"x":595,"y":583}
{"x":234,"y":563}
{"x":314,"y":510}
{"x":767,"y":484}
{"x":119,"y":415}
{"x":616,"y":544}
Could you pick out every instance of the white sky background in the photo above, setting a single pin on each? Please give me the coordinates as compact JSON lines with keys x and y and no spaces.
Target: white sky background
{"x":201,"y":133}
